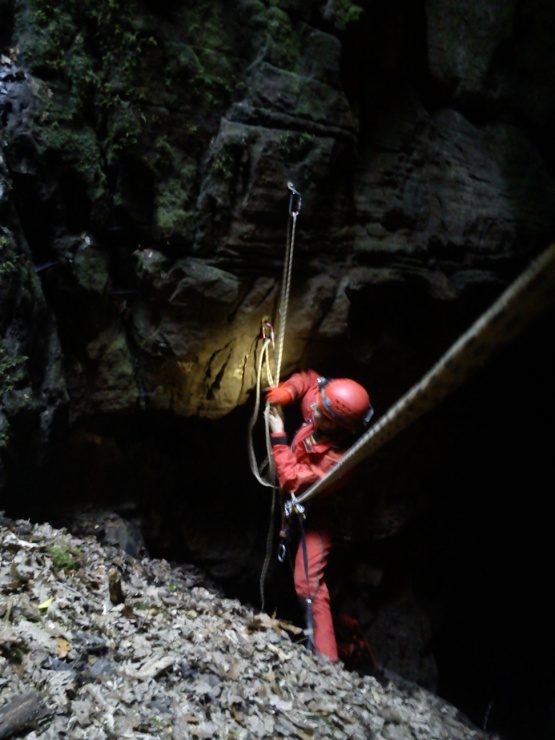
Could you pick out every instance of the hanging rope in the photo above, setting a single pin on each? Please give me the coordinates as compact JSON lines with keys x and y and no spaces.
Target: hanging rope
{"x":267,"y":334}
{"x":269,"y":462}
{"x":526,"y":299}
{"x":295,"y":203}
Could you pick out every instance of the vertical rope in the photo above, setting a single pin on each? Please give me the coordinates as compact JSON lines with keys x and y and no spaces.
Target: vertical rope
{"x":273,"y":380}
{"x":269,"y":543}
{"x":285,"y":291}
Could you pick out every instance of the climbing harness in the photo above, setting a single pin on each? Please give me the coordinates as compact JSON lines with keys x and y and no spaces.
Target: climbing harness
{"x":528,"y":297}
{"x":289,"y":507}
{"x":267,"y":335}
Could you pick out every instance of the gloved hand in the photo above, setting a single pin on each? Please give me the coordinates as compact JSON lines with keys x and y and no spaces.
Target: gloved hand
{"x":280,"y":396}
{"x":275,"y":422}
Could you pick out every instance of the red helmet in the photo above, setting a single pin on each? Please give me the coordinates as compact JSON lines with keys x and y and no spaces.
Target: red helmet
{"x":345,"y":402}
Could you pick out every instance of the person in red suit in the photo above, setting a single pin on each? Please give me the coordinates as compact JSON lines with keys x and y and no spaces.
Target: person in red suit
{"x":335,"y":412}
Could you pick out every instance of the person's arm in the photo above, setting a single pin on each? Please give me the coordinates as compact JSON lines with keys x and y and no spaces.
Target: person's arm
{"x":292,"y":389}
{"x":293,"y":475}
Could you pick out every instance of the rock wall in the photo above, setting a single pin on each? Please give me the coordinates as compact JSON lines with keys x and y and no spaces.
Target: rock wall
{"x":148,"y":152}
{"x":145,"y":217}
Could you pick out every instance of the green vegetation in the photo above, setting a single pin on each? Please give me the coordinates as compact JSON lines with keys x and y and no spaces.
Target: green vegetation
{"x":171,"y":215}
{"x":65,"y":557}
{"x":12,"y":652}
{"x":283,"y":39}
{"x":346,"y":12}
{"x":223,"y":161}
{"x":88,"y":55}
{"x":294,"y":145}
{"x":4,"y":431}
{"x":100,"y":63}
{"x":11,"y":370}
{"x":7,"y":265}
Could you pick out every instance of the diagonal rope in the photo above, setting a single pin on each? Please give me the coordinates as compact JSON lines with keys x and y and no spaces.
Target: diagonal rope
{"x":531,"y":294}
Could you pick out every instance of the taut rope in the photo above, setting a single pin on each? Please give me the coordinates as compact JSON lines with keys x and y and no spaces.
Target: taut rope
{"x":532,"y":293}
{"x":294,"y":210}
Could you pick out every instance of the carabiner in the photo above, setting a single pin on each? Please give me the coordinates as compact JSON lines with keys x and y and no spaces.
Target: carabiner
{"x":265,"y":323}
{"x":295,"y":201}
{"x":272,"y":338}
{"x":292,"y":506}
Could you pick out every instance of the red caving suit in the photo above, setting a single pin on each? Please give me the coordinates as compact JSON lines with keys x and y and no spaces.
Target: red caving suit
{"x":299,"y":466}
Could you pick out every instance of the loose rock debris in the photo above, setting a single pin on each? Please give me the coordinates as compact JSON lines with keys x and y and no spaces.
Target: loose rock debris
{"x":96,"y":644}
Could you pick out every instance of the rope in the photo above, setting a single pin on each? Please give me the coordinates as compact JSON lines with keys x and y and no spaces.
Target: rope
{"x":271,"y":471}
{"x":294,"y":209}
{"x":269,"y":544}
{"x":527,"y":298}
{"x":273,"y":379}
{"x":252,"y":458}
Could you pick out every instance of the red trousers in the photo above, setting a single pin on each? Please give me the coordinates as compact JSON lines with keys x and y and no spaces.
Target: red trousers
{"x":318,"y":547}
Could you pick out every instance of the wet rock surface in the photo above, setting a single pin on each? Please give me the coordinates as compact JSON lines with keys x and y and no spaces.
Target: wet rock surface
{"x":97,"y":644}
